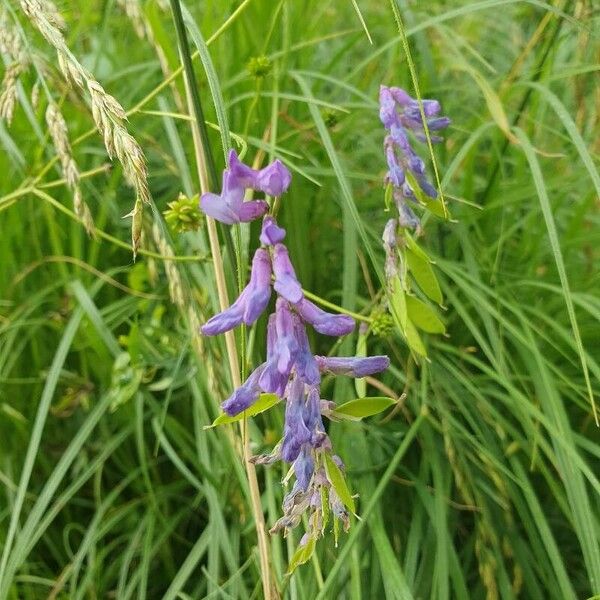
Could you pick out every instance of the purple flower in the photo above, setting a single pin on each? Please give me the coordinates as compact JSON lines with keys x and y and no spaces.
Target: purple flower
{"x":295,"y":433}
{"x":251,"y":303}
{"x":271,"y":233}
{"x":273,"y":180}
{"x":229,"y":206}
{"x":400,"y":113}
{"x":282,"y":348}
{"x":244,"y":396}
{"x":286,"y":283}
{"x":324,"y":322}
{"x":354,"y":366}
{"x":304,"y":467}
{"x":387,"y":108}
{"x":306,"y":366}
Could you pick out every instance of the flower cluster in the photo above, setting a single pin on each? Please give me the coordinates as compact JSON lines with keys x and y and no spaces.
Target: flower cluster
{"x":399,"y":114}
{"x":290,"y":370}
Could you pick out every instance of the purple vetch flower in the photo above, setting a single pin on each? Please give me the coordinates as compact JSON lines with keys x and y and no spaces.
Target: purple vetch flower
{"x":251,"y":303}
{"x":306,"y":366}
{"x":295,"y":433}
{"x":355,"y":366}
{"x":286,"y":282}
{"x":324,"y":322}
{"x":271,"y":233}
{"x":399,"y":114}
{"x":273,"y":180}
{"x":304,"y":467}
{"x":282,"y":348}
{"x":229,"y":206}
{"x":244,"y":396}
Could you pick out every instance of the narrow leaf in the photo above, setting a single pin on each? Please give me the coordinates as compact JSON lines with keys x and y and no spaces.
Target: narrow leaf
{"x":339,"y":483}
{"x":365,"y":407}
{"x":265,"y":402}
{"x":423,"y":273}
{"x":423,"y":316}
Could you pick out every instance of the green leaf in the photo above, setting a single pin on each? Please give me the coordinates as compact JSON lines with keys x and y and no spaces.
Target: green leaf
{"x":339,"y":483}
{"x":265,"y":402}
{"x":387,"y":198}
{"x":324,"y":492}
{"x":410,"y":242}
{"x":423,"y":273}
{"x":423,"y":316}
{"x":433,"y":205}
{"x":361,"y":350}
{"x":302,"y":554}
{"x":364,"y":407}
{"x":414,"y":339}
{"x":398,"y":303}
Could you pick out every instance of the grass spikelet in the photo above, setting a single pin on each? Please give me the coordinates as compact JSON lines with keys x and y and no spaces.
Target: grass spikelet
{"x":108,"y":114}
{"x":133,"y":10}
{"x":8,"y":90}
{"x":59,"y":134}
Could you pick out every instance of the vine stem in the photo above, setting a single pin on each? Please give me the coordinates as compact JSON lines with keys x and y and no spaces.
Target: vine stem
{"x":207,"y":176}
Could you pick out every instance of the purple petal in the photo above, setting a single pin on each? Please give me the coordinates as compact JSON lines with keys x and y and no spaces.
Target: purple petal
{"x":244,"y":175}
{"x":295,"y":431}
{"x":259,"y":288}
{"x":304,"y":468}
{"x":216,"y":207}
{"x":324,"y":322}
{"x":282,"y":348}
{"x":306,"y":366}
{"x":252,"y":301}
{"x":286,"y":283}
{"x":274,"y":179}
{"x":251,"y":210}
{"x":228,"y":319}
{"x":387,"y":107}
{"x":271,"y":233}
{"x":400,"y":96}
{"x":244,"y":396}
{"x":353,"y":366}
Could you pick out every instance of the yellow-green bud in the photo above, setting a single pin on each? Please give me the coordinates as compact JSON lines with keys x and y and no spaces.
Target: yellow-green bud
{"x":259,"y":66}
{"x":382,"y":324}
{"x":184,"y":214}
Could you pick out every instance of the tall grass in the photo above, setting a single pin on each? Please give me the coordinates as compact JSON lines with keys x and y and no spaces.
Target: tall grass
{"x":483,"y":484}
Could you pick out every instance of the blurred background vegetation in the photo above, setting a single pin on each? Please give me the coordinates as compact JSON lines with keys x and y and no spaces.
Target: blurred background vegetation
{"x":109,"y":484}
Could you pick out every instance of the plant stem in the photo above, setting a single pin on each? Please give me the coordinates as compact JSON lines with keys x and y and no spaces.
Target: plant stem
{"x":207,"y":177}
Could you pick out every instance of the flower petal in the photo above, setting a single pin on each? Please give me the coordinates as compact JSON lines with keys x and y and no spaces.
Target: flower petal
{"x":271,"y":233}
{"x":353,"y":366}
{"x":286,"y":283}
{"x":324,"y":322}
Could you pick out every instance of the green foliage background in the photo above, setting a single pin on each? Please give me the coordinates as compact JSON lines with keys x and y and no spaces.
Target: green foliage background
{"x":105,"y":387}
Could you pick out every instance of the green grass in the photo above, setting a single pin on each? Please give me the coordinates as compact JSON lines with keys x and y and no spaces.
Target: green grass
{"x":484,"y":484}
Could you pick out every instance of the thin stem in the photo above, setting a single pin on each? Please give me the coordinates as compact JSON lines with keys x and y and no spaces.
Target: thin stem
{"x":106,"y":236}
{"x":208,"y":180}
